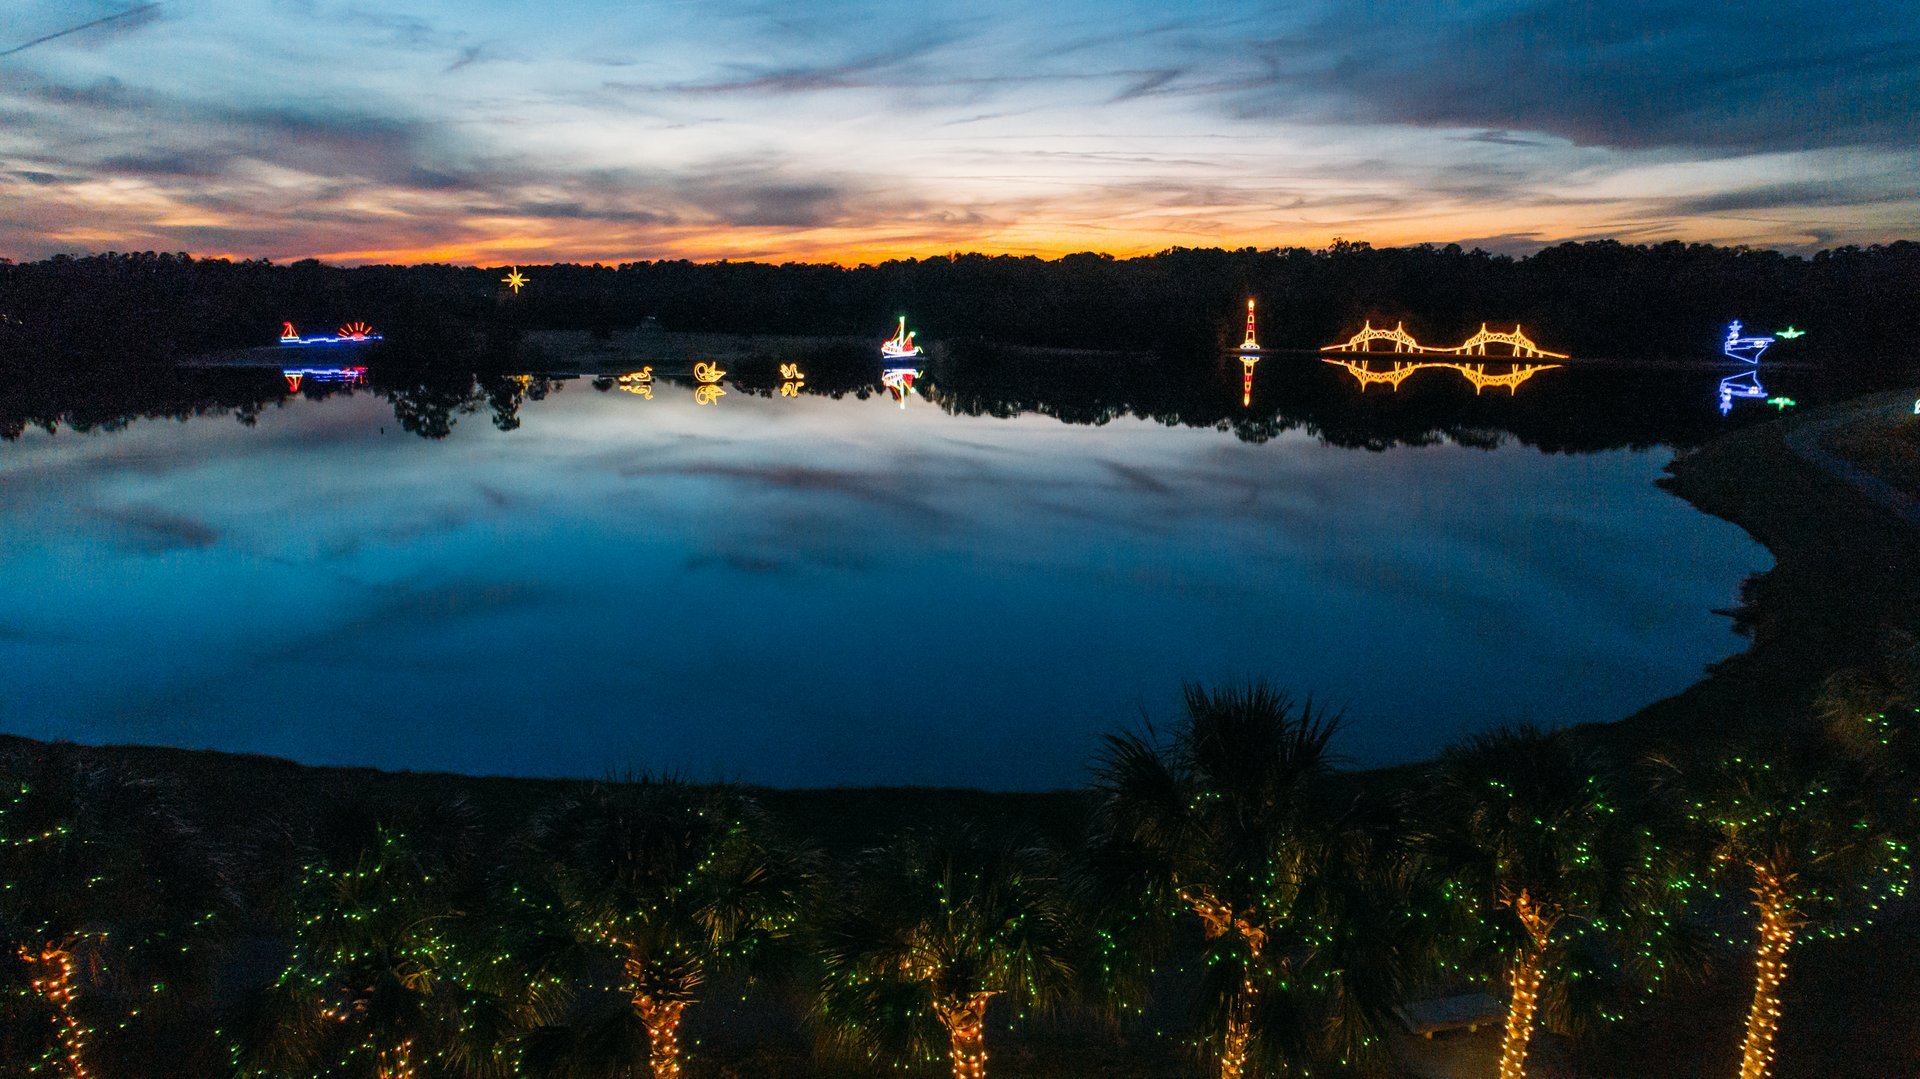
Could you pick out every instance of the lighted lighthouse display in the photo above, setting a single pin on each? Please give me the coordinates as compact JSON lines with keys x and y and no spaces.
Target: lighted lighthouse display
{"x":1249,"y":355}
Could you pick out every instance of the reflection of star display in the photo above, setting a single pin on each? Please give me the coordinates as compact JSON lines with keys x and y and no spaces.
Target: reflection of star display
{"x":514,"y":280}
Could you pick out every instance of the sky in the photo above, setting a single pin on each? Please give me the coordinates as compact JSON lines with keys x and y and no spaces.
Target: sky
{"x":493,"y":132}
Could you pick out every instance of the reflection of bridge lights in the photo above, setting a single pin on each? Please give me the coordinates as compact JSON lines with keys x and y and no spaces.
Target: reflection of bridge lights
{"x":1744,"y":349}
{"x":1516,"y":340}
{"x":707,"y":393}
{"x":1475,"y":373}
{"x":899,"y":382}
{"x":707,"y":372}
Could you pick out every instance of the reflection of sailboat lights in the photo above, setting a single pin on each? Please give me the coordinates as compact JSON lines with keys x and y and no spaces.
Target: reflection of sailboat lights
{"x":1745,"y":385}
{"x":1745,"y":349}
{"x":900,"y":345}
{"x":899,"y":381}
{"x":1475,"y":373}
{"x":296,"y":375}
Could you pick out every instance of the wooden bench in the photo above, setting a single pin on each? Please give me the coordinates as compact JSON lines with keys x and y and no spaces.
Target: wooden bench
{"x":1468,"y":1012}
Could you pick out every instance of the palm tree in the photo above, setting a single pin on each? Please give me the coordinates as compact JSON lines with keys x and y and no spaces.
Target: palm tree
{"x":1236,"y":824}
{"x":379,"y":980}
{"x":1803,"y":841}
{"x":101,"y":880}
{"x":1539,"y":846}
{"x":672,"y":881}
{"x":929,"y":931}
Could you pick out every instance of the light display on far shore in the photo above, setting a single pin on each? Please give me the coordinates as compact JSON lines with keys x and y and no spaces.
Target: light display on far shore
{"x":792,"y":379}
{"x":1475,"y":373}
{"x":515,"y":280}
{"x":708,"y":373}
{"x":353,"y":333}
{"x":1744,"y":349}
{"x":1250,"y":344}
{"x":1790,"y":333}
{"x":638,"y":383}
{"x":1516,"y":341}
{"x":900,"y":346}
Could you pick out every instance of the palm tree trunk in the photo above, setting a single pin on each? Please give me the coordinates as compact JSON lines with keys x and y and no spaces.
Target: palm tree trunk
{"x":662,"y":1020}
{"x":1769,"y":973}
{"x":57,"y":989}
{"x":1529,"y":969}
{"x":397,"y":1062}
{"x":1233,"y":1055}
{"x":966,"y":1023}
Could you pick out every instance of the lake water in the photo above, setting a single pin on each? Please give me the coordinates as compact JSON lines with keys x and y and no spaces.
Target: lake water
{"x":813,"y":590}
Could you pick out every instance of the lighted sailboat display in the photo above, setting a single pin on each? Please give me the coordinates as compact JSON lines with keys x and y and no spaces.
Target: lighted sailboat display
{"x":353,"y":333}
{"x":900,"y":346}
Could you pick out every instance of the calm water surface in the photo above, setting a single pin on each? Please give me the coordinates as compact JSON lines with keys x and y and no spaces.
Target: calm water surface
{"x":810,"y":591}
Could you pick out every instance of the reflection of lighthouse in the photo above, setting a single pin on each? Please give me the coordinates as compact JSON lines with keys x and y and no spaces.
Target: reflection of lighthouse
{"x":1246,"y":379}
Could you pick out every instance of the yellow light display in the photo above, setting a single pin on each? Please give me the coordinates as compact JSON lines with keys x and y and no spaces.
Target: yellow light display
{"x":1529,"y":970}
{"x":1402,"y":341}
{"x":707,"y":372}
{"x":515,"y":280}
{"x":791,"y":371}
{"x":662,"y":1020}
{"x":966,"y":1023}
{"x":1475,"y":373}
{"x":1219,"y":920}
{"x":57,"y":989}
{"x":791,"y":389}
{"x":639,"y":383}
{"x":1246,"y":379}
{"x":1769,"y":972}
{"x":707,"y":394}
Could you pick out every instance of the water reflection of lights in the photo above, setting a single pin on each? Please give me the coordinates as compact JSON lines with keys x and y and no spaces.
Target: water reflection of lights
{"x":707,"y":393}
{"x":1745,"y":385}
{"x":1516,"y":340}
{"x":707,"y":372}
{"x":1475,"y":373}
{"x":296,"y":375}
{"x":639,"y":383}
{"x":899,"y":382}
{"x":1246,"y":376}
{"x":794,"y":379}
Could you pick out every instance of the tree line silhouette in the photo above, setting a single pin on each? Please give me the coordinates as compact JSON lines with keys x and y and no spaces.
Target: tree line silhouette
{"x":1221,"y":888}
{"x":1600,"y":298}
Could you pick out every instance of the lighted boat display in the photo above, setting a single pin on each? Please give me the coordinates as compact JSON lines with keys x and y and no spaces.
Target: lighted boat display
{"x":900,"y":346}
{"x":1745,"y":349}
{"x":899,"y":382}
{"x":353,"y":333}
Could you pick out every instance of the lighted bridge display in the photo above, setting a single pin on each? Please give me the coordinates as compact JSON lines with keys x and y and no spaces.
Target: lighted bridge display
{"x":1516,"y":340}
{"x":1475,"y":373}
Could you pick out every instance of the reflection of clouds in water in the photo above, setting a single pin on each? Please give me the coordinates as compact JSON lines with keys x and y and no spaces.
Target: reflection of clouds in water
{"x":147,"y":530}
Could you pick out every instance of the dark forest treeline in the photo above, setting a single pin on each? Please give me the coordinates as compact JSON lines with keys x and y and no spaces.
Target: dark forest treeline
{"x":1600,"y":298}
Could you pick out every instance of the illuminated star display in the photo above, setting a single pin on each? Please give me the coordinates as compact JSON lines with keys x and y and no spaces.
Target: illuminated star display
{"x":515,"y":280}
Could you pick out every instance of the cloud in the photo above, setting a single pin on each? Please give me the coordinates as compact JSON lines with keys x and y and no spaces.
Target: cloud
{"x":155,"y":531}
{"x":120,"y":22}
{"x":1720,"y":75}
